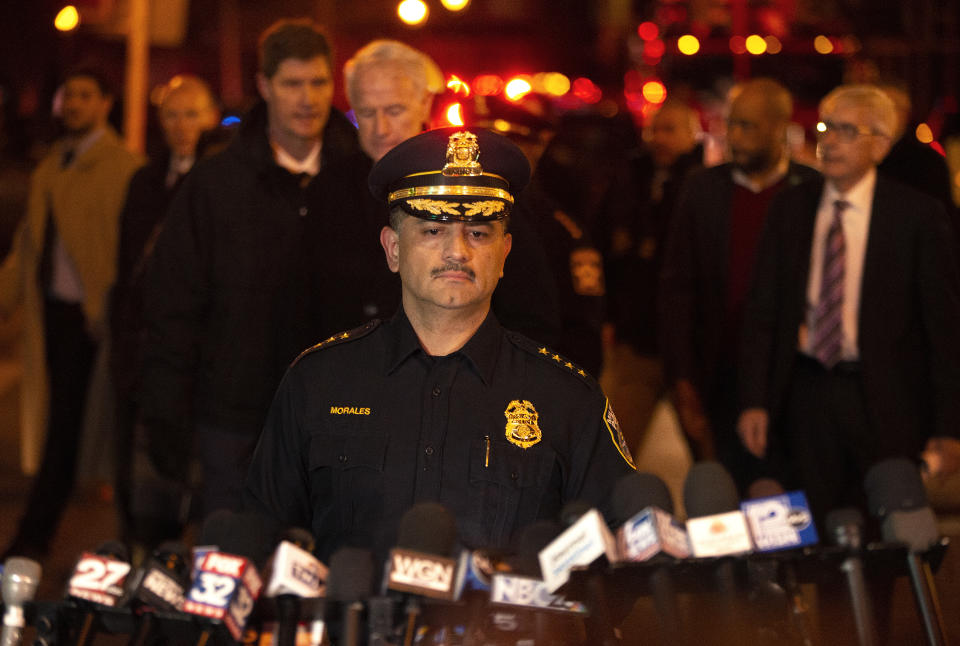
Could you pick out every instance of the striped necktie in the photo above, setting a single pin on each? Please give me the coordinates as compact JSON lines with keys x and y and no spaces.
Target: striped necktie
{"x":828,"y":315}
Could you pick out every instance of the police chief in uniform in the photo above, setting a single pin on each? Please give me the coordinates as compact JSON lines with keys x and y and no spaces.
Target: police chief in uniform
{"x":439,"y":403}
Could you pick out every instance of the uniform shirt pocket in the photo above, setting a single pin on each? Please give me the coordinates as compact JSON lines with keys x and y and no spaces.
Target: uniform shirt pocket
{"x":346,"y":475}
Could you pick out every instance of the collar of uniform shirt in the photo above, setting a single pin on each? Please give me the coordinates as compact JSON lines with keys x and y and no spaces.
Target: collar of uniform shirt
{"x":740,"y":178}
{"x":481,"y":350}
{"x":310,"y":164}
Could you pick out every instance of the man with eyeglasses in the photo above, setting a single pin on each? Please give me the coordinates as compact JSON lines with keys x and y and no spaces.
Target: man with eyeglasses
{"x":850,"y":352}
{"x":707,"y":267}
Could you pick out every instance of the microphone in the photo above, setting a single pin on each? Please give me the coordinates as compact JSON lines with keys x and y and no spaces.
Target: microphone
{"x":586,"y":540}
{"x":845,"y":526}
{"x":715,"y":524}
{"x":716,"y":527}
{"x":226,"y":582}
{"x":158,"y":585}
{"x":420,"y":564}
{"x":21,"y":576}
{"x":648,"y":528}
{"x":295,"y":574}
{"x":896,"y":495}
{"x":778,"y":520}
{"x":98,"y":580}
{"x":651,"y":532}
{"x":349,"y":583}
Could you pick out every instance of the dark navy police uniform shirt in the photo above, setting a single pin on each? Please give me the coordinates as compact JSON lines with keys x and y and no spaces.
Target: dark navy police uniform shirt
{"x":502,"y":432}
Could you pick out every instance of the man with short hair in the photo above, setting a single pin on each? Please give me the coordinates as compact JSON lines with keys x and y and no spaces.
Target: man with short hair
{"x":850,"y":352}
{"x":187,"y":109}
{"x":633,"y":230}
{"x":391,"y":88}
{"x":439,"y":403}
{"x":61,"y":268}
{"x":230,"y":295}
{"x":707,"y":267}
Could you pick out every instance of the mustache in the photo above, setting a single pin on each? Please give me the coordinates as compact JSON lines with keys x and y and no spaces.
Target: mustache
{"x":452,"y":266}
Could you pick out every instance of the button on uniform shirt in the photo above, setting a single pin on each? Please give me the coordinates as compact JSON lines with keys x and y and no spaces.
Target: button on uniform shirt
{"x":502,"y":432}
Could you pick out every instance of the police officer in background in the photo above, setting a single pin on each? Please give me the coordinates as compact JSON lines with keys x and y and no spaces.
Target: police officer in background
{"x":439,"y":403}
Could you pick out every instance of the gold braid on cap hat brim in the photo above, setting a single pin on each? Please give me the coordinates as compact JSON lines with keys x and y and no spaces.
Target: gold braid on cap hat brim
{"x":451,"y":190}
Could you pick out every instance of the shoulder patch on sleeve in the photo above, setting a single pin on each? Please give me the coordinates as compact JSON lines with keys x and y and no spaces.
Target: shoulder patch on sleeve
{"x":546,"y":354}
{"x":613,"y":427}
{"x":341,"y":337}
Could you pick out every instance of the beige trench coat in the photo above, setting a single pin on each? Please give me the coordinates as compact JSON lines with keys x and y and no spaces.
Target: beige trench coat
{"x":86,"y":200}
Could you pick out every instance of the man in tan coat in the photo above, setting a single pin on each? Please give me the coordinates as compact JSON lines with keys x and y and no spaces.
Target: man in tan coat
{"x":60,"y":269}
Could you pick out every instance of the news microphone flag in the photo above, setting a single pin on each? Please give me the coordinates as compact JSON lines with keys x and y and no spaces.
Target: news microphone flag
{"x":532,"y":594}
{"x":585,"y":541}
{"x":98,"y":578}
{"x":780,"y":522}
{"x":650,"y":532}
{"x":225,"y":588}
{"x":424,"y":574}
{"x":297,"y":572}
{"x":719,"y":535}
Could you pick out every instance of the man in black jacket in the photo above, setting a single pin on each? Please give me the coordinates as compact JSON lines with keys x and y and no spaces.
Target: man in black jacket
{"x":708,"y":264}
{"x":230,"y":295}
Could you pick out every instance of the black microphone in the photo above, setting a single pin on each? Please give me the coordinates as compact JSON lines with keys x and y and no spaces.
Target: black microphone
{"x":98,"y":581}
{"x":846,"y":528}
{"x":294,"y":574}
{"x":349,"y":584}
{"x":717,"y":528}
{"x":159,"y":584}
{"x":21,"y":576}
{"x":421,"y":564}
{"x":896,"y":495}
{"x":642,"y":505}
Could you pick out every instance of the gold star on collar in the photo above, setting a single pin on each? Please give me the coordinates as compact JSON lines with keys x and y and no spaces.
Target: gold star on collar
{"x":544,"y":351}
{"x":569,"y":365}
{"x":581,"y":372}
{"x":344,"y":336}
{"x":556,"y":357}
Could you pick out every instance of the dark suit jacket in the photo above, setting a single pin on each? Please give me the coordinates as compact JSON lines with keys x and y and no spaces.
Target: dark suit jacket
{"x":693,"y":280}
{"x":909,"y":314}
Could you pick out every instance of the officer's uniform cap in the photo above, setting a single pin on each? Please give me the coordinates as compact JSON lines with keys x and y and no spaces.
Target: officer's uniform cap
{"x":458,"y":174}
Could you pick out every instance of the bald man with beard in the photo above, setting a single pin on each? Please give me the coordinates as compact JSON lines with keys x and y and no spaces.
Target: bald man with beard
{"x":708,"y":265}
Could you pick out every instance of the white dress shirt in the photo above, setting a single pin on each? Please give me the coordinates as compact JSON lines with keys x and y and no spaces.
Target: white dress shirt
{"x":856,"y":227}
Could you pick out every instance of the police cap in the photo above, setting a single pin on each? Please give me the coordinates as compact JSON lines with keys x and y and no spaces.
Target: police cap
{"x":452,"y":174}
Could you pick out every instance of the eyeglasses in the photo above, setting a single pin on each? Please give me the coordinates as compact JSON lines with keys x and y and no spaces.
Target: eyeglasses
{"x":844,"y":131}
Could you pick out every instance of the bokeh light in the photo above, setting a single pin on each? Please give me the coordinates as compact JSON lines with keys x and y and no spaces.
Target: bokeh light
{"x":458,"y":85}
{"x":924,"y":134}
{"x":413,"y":12}
{"x":488,"y":85}
{"x":67,"y":18}
{"x":586,"y":90}
{"x":774,"y":46}
{"x":654,"y":92}
{"x":648,"y":30}
{"x":454,"y":5}
{"x":822,"y":44}
{"x":738,"y":45}
{"x":517,"y":88}
{"x":755,"y":44}
{"x":688,"y":44}
{"x":454,"y":114}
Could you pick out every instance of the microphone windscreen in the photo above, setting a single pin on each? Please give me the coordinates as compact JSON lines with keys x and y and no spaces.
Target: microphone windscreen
{"x":635,"y":492}
{"x":244,"y":534}
{"x":300,"y":537}
{"x":429,"y":528}
{"x":21,"y":576}
{"x":709,"y":489}
{"x":531,"y":539}
{"x":351,"y":574}
{"x":845,"y":527}
{"x":114,"y":549}
{"x":174,"y":557}
{"x":572,"y":511}
{"x":894,"y":485}
{"x":764,"y":488}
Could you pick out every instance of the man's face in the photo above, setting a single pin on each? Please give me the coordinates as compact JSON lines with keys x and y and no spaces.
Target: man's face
{"x":755,"y":139}
{"x":849,"y":148}
{"x":184,"y":115}
{"x":448,"y":265}
{"x":85,"y":107}
{"x":669,"y":136}
{"x":389,"y":109}
{"x":298,"y":100}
